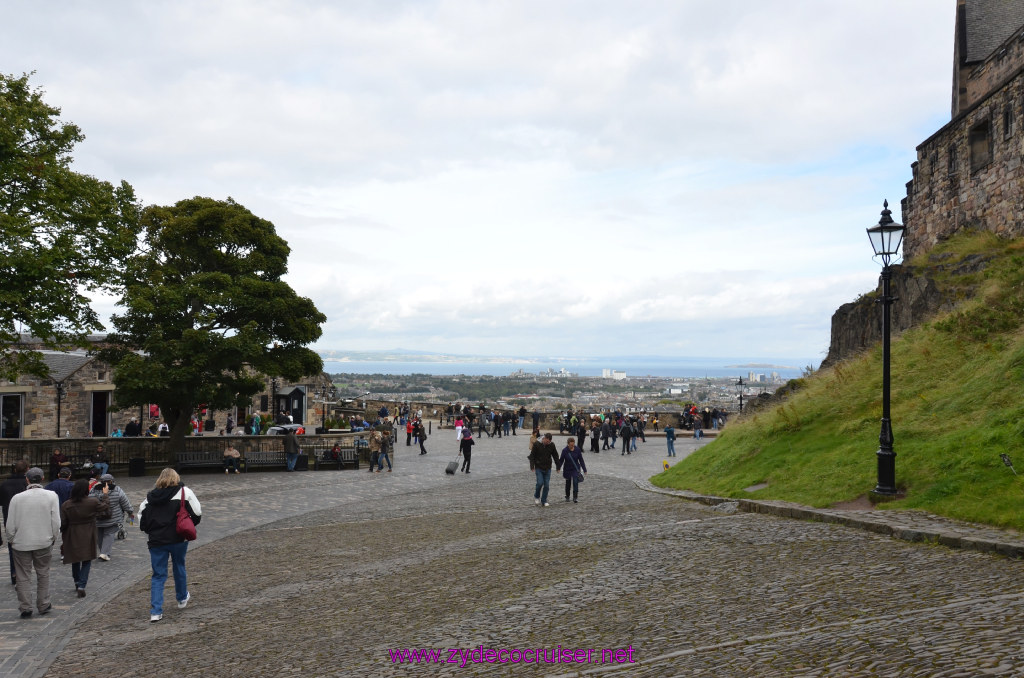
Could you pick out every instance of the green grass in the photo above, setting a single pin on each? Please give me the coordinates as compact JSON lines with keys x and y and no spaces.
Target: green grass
{"x":957,"y":403}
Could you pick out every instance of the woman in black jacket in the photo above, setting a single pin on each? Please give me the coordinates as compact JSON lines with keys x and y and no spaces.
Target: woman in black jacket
{"x":466,"y":447}
{"x":158,"y":518}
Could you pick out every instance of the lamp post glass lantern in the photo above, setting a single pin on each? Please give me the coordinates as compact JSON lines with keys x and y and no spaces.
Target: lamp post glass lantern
{"x":739,"y":389}
{"x":886,"y":238}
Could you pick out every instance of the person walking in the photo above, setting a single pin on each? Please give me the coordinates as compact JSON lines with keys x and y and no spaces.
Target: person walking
{"x":626,"y":433}
{"x":120,"y":506}
{"x":158,"y":518}
{"x":466,"y":447}
{"x":61,"y":486}
{"x":595,"y":438}
{"x":32,"y":527}
{"x":670,"y":440}
{"x":572,"y":463}
{"x":421,"y":433}
{"x":78,"y":516}
{"x":386,"y":443}
{"x":542,"y":455}
{"x":606,"y":433}
{"x":291,"y":449}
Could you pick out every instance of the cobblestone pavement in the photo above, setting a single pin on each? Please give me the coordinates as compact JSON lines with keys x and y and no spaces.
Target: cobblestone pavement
{"x":320,"y":574}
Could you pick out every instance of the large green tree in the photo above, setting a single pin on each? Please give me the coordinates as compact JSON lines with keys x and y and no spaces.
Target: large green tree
{"x":62,"y":234}
{"x":207,"y":314}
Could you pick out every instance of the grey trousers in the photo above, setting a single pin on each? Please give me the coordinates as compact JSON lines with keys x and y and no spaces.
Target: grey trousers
{"x":106,"y":535}
{"x":24,"y":562}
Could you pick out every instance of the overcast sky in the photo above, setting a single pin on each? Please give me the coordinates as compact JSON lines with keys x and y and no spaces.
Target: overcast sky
{"x":581,"y":178}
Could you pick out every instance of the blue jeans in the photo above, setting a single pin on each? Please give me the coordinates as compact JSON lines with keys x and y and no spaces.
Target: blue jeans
{"x":632,"y":444}
{"x":290,"y":460}
{"x":158,"y":559}
{"x":80,"y":573}
{"x":543,"y":481}
{"x":381,"y":459}
{"x":522,"y":421}
{"x":100,"y":467}
{"x":671,"y":448}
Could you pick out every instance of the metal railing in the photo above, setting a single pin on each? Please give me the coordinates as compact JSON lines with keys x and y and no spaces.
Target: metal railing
{"x":157,"y":452}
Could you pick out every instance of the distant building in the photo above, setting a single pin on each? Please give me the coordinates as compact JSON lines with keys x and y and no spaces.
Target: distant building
{"x":618,"y":375}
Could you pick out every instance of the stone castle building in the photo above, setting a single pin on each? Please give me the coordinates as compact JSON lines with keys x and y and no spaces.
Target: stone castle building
{"x":79,"y":399}
{"x":969,"y":173}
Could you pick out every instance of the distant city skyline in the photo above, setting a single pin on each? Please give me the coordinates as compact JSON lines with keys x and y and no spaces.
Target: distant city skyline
{"x":556,"y":178}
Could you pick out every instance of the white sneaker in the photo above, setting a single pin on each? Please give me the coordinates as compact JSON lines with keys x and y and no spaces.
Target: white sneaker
{"x":183,"y":603}
{"x":547,"y":504}
{"x":537,"y":502}
{"x":104,"y":556}
{"x":155,"y":617}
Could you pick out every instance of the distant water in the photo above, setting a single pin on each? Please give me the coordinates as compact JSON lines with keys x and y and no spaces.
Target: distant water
{"x":634,"y":367}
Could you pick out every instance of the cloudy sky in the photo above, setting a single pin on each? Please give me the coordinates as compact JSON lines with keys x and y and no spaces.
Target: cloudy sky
{"x":525,"y":177}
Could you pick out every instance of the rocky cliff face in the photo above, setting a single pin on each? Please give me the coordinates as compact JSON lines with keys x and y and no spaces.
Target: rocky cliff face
{"x":858,"y":325}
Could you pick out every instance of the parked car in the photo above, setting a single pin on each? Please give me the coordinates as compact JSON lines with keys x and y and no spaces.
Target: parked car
{"x":281,"y":429}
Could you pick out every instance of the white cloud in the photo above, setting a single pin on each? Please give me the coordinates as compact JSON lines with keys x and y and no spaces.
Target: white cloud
{"x":502,"y":176}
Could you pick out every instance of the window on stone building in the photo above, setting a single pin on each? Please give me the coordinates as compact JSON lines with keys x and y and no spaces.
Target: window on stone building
{"x":954,"y":164}
{"x":10,"y":415}
{"x":101,"y":376}
{"x":1007,"y":123}
{"x":980,"y":141}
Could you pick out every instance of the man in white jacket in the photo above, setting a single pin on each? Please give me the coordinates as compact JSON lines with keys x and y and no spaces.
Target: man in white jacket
{"x":33,"y":523}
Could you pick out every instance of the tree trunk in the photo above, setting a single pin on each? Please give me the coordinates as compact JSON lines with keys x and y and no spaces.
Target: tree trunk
{"x":180,"y":423}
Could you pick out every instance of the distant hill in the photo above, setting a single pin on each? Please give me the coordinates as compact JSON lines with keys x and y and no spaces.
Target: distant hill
{"x":957,"y":403}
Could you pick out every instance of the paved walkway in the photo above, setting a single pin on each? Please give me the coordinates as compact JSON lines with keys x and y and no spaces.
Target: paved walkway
{"x":322,"y":573}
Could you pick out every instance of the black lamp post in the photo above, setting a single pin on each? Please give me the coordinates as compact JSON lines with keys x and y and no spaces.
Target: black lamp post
{"x":739,"y":389}
{"x":886,"y":238}
{"x":323,"y":394}
{"x":273,"y":400}
{"x":61,"y":395}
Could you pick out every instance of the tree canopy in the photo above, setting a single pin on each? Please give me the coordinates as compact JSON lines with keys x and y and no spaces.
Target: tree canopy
{"x":62,"y":233}
{"x":207,"y":314}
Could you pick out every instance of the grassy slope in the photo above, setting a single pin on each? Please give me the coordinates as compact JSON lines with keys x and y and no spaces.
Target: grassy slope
{"x":957,"y":403}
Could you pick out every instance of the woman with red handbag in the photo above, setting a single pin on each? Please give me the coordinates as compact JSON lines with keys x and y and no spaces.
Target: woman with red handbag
{"x":169,"y":515}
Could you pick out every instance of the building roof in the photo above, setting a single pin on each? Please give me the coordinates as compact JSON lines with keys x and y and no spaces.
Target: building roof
{"x":989,"y":24}
{"x":63,"y":364}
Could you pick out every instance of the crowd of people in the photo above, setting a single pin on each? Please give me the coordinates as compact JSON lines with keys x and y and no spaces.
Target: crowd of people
{"x":86,"y":517}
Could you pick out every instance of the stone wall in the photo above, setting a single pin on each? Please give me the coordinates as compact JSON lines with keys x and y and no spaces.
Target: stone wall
{"x":858,"y":325}
{"x":969,"y":173}
{"x":998,"y":68}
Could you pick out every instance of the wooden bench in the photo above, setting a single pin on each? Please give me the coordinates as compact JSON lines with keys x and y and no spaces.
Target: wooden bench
{"x":199,"y":459}
{"x":263,"y":458}
{"x":346,"y":456}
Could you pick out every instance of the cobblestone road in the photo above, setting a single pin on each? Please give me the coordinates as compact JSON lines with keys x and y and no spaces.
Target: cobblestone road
{"x":321,"y":574}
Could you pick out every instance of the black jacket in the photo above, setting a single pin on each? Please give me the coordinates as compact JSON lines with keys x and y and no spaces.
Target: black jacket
{"x":14,"y":484}
{"x":158,"y":514}
{"x":543,"y":455}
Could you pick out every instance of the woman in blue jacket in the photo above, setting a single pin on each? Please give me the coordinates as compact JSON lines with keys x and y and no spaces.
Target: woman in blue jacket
{"x":158,"y":518}
{"x":572,"y":459}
